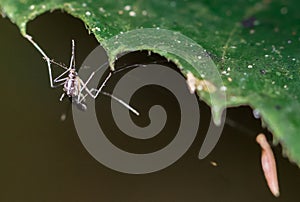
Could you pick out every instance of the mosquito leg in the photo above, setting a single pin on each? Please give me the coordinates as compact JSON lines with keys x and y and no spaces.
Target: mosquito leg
{"x":100,"y":88}
{"x":72,"y":65}
{"x":121,"y":102}
{"x":91,"y":76}
{"x":55,"y":86}
{"x":62,"y":97}
{"x":128,"y":67}
{"x":58,"y":79}
{"x":99,"y":68}
{"x":29,"y":38}
{"x":83,"y":98}
{"x":110,"y":95}
{"x":58,"y":64}
{"x":72,"y":61}
{"x":80,"y":96}
{"x":106,"y":79}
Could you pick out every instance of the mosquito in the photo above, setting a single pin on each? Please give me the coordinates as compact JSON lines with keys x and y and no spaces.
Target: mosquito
{"x":73,"y":86}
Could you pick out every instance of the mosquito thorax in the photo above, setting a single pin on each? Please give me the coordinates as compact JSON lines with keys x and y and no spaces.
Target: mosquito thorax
{"x":71,"y":87}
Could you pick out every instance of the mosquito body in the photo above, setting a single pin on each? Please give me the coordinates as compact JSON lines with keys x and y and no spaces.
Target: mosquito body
{"x":73,"y":85}
{"x":72,"y":89}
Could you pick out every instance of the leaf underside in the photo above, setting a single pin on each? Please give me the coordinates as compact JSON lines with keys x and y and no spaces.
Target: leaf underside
{"x":254,"y":44}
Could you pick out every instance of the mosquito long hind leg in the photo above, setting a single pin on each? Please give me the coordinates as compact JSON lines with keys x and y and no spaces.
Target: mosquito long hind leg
{"x":72,"y":65}
{"x":121,"y":102}
{"x":110,"y":95}
{"x":72,"y":61}
{"x":29,"y":38}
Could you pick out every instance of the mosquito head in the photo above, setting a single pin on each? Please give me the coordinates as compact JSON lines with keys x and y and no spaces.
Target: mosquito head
{"x":72,"y":73}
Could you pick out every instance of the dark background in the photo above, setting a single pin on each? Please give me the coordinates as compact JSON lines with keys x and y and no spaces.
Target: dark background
{"x":42,"y":158}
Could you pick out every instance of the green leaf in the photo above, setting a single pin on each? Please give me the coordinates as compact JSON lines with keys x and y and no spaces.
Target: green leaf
{"x":255,"y":45}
